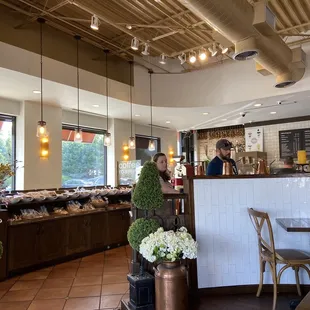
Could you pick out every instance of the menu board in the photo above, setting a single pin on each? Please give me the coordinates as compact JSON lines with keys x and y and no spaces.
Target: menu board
{"x":254,"y":138}
{"x":292,"y":141}
{"x":127,"y":171}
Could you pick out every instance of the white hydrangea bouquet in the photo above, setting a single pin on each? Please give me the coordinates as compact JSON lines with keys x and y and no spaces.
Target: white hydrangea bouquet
{"x":168,"y":246}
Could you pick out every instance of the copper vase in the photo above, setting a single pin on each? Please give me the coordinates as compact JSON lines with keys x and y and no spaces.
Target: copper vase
{"x":171,"y":291}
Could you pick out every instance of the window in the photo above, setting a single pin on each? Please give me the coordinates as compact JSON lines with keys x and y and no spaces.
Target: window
{"x":7,"y":146}
{"x":142,"y":152}
{"x":83,"y":164}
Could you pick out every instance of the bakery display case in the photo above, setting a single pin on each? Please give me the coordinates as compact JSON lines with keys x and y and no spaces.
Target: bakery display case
{"x":45,"y":227}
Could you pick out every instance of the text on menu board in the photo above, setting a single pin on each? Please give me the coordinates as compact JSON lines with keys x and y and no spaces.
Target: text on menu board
{"x":291,"y":141}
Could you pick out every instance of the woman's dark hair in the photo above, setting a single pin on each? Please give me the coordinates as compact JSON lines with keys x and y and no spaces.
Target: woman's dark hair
{"x":164,"y":174}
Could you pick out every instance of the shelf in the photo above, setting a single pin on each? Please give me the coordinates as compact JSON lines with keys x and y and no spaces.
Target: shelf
{"x":111,"y":208}
{"x":58,"y":200}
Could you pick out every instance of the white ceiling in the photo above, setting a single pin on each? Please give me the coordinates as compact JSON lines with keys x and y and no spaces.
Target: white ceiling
{"x":19,"y":86}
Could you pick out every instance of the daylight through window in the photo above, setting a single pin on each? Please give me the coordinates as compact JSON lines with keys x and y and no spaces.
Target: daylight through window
{"x":83,"y":164}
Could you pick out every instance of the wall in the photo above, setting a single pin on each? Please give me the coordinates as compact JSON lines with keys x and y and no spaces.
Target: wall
{"x":228,"y":252}
{"x":9,"y":107}
{"x":58,"y":45}
{"x":271,"y":138}
{"x":37,"y":172}
{"x":271,"y":141}
{"x":86,"y":120}
{"x":226,"y":83}
{"x":120,"y":131}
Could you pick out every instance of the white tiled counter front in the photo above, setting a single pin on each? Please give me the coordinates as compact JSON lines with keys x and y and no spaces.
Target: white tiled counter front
{"x":228,"y":252}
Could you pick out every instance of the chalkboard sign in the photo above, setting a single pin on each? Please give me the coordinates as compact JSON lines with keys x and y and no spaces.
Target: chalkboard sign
{"x":292,"y":141}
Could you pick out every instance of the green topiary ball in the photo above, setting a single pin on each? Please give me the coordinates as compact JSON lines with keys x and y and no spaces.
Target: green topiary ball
{"x":148,"y":194}
{"x":140,"y":229}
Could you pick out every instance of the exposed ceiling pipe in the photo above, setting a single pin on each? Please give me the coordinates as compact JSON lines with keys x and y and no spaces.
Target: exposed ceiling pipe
{"x":253,"y":36}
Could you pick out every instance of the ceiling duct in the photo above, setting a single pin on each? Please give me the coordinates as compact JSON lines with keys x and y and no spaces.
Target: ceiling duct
{"x":252,"y":32}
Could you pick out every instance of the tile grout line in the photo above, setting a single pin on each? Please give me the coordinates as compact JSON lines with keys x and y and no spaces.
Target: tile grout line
{"x":67,"y":298}
{"x":40,"y":288}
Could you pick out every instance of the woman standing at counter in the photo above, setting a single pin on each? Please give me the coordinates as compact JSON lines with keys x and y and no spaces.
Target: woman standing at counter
{"x":161,"y":162}
{"x":215,"y":166}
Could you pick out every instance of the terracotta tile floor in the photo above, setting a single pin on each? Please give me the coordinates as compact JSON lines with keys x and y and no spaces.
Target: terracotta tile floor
{"x":93,"y":282}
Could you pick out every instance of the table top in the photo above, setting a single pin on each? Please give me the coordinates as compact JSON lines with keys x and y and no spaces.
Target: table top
{"x":294,"y":224}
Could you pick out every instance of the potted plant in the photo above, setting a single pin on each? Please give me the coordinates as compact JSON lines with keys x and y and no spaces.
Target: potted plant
{"x":167,"y":248}
{"x":138,"y":230}
{"x":147,"y":196}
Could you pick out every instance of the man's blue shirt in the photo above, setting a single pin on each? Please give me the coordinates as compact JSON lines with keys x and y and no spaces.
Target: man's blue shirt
{"x":215,"y":166}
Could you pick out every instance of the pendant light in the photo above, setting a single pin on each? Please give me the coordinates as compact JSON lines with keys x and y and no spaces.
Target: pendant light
{"x":132,"y":139}
{"x":107,"y":137}
{"x":78,"y":137}
{"x":41,"y":127}
{"x":151,"y":147}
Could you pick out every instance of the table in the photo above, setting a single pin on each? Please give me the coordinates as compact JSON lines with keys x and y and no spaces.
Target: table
{"x":294,"y":224}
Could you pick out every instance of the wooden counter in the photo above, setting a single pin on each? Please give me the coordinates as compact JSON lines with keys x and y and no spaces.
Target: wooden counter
{"x":34,"y":243}
{"x":40,"y":241}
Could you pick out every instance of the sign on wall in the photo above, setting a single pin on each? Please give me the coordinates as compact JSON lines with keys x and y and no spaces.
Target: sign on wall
{"x":127,"y":171}
{"x":254,"y":139}
{"x":292,"y":141}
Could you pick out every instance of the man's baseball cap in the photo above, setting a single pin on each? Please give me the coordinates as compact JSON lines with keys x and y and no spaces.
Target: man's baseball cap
{"x":223,"y":144}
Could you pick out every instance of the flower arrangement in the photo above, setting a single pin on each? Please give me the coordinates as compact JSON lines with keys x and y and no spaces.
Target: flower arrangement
{"x":140,"y":229}
{"x":168,"y":246}
{"x":6,"y":171}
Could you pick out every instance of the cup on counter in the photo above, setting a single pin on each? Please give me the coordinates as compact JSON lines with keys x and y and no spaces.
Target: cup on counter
{"x":302,"y":157}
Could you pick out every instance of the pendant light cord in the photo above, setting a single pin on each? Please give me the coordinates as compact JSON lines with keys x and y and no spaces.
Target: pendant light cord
{"x":107,"y":86}
{"x":151,"y":103}
{"x":78,"y":79}
{"x":130,"y":81}
{"x":41,"y":66}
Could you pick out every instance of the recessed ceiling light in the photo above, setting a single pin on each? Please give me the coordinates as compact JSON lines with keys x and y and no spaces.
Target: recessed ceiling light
{"x":205,"y":113}
{"x":250,"y":122}
{"x":273,"y":112}
{"x":257,"y":105}
{"x":96,"y":105}
{"x":36,"y":91}
{"x":224,"y":119}
{"x":137,"y":115}
{"x":168,"y":122}
{"x":129,"y":27}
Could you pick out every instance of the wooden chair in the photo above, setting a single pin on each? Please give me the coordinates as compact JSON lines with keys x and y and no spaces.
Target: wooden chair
{"x":290,"y":258}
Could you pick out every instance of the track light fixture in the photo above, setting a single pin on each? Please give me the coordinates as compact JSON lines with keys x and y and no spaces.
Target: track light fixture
{"x":202,"y":54}
{"x":163,"y":59}
{"x":213,"y":50}
{"x":182,"y":58}
{"x":223,"y":48}
{"x":145,"y":52}
{"x":135,"y":44}
{"x":94,"y":22}
{"x":192,"y":57}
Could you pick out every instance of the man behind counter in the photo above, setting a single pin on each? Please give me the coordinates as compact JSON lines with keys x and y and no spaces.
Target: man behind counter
{"x":215,"y":166}
{"x":288,"y":167}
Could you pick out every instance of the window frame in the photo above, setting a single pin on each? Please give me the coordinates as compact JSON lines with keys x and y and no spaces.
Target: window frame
{"x":12,"y":119}
{"x":90,"y":130}
{"x":154,"y":138}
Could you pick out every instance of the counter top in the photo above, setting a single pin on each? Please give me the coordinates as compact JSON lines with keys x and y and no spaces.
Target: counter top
{"x":251,"y":176}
